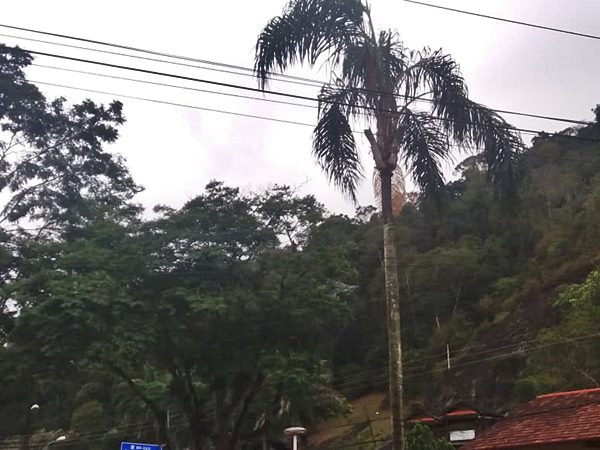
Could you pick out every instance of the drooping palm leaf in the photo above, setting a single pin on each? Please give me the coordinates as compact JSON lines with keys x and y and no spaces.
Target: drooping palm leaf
{"x":467,"y":123}
{"x":306,"y":30}
{"x":392,"y":56}
{"x":470,"y":123}
{"x":435,"y":72}
{"x":335,"y":149}
{"x":424,"y":145}
{"x":354,"y":102}
{"x":354,"y":64}
{"x":374,"y":67}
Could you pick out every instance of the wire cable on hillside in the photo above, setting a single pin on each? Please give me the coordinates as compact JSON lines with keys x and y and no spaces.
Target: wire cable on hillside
{"x":501,"y":19}
{"x":91,"y":434}
{"x":121,"y":428}
{"x":412,"y":374}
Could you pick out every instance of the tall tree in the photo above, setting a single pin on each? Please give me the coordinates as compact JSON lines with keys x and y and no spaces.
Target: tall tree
{"x":53,"y":160}
{"x":218,"y":301}
{"x":417,"y":103}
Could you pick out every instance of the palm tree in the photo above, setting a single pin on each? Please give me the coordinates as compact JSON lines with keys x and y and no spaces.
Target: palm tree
{"x":415,"y":108}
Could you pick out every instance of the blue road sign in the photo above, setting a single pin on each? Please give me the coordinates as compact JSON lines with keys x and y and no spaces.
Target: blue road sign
{"x":138,"y":446}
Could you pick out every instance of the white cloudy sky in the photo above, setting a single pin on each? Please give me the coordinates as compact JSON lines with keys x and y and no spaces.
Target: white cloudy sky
{"x":174,"y":151}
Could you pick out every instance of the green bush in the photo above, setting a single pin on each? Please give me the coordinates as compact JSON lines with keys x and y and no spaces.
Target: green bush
{"x":89,"y":416}
{"x":420,"y":437}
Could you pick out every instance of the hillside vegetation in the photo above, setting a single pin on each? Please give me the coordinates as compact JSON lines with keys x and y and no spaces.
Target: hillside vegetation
{"x":217,"y":324}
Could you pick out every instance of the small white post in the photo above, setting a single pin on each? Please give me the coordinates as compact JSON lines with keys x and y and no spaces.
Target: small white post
{"x":448,"y":355}
{"x":294,"y":432}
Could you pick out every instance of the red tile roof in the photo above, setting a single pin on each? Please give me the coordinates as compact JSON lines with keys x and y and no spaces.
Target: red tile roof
{"x":452,"y":414}
{"x":551,"y":418}
{"x":422,"y":419}
{"x":462,"y":413}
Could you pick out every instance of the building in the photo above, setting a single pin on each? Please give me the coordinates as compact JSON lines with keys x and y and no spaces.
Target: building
{"x":460,"y":424}
{"x":558,"y":421}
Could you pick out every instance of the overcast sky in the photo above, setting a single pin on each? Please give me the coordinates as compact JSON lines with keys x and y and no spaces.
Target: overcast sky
{"x":173,"y":151}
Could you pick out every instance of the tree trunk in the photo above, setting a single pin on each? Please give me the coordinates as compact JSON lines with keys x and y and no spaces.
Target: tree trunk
{"x":25,"y":438}
{"x":197,"y":439}
{"x":392,"y":303}
{"x":223,"y":439}
{"x":160,"y":415}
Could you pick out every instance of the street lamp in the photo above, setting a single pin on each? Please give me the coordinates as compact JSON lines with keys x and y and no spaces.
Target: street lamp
{"x":28,"y":422}
{"x":58,"y":439}
{"x":294,"y":432}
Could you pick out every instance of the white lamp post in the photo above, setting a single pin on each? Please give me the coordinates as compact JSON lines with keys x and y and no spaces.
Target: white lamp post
{"x":294,"y":432}
{"x":58,"y":439}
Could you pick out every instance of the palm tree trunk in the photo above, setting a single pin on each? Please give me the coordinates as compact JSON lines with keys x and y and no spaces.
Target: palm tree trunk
{"x":392,"y":303}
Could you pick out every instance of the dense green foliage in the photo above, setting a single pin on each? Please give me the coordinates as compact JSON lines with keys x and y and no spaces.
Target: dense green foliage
{"x":420,"y":437}
{"x":219,"y":323}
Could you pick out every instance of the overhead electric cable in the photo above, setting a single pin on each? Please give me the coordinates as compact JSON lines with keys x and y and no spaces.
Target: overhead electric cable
{"x":92,"y":434}
{"x":522,"y":130}
{"x":501,"y":19}
{"x":278,"y":93}
{"x":246,"y":71}
{"x":426,"y":100}
{"x":176,"y":86}
{"x":183,"y":105}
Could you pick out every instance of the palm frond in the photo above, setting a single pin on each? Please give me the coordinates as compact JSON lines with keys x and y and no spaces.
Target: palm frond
{"x":304,"y":31}
{"x":470,"y":124}
{"x":374,"y":67}
{"x":502,"y":148}
{"x":352,"y":101}
{"x":436,"y":74}
{"x":467,"y":123}
{"x":392,"y":55}
{"x":354,"y":63}
{"x":424,"y":145}
{"x":335,"y":149}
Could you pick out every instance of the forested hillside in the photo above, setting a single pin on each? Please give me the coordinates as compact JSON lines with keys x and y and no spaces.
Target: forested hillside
{"x":240,"y":313}
{"x":489,"y":279}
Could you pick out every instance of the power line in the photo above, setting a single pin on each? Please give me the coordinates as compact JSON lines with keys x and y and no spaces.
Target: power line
{"x":286,"y":121}
{"x":443,"y":355}
{"x":247,"y":88}
{"x":246,"y":71}
{"x":187,"y":88}
{"x":92,"y":434}
{"x":182,"y":105}
{"x":152,"y":52}
{"x":501,"y":19}
{"x":207,"y":91}
{"x":412,"y":374}
{"x":425,"y":100}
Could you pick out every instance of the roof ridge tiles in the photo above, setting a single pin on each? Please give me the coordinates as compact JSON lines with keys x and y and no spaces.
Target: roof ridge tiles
{"x":569,"y":393}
